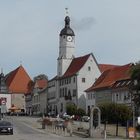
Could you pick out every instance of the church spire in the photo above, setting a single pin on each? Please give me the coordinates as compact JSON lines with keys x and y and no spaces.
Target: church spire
{"x":67,"y":29}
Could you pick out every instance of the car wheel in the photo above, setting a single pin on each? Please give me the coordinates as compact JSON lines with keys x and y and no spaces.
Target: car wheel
{"x":11,"y":132}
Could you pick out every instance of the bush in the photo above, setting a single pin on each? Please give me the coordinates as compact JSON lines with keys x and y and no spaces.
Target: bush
{"x":72,"y":110}
{"x":80,"y":112}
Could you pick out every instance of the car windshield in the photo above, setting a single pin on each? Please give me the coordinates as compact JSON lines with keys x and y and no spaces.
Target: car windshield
{"x":4,"y":123}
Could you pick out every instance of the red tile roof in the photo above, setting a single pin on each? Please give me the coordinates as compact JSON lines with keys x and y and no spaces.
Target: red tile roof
{"x":110,"y":76}
{"x":41,"y":83}
{"x":18,"y":81}
{"x":76,"y":65}
{"x":104,"y":67}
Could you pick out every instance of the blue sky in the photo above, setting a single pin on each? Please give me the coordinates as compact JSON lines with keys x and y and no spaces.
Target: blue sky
{"x":29,"y":32}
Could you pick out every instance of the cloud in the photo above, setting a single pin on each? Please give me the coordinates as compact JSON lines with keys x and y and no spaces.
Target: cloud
{"x":83,"y":24}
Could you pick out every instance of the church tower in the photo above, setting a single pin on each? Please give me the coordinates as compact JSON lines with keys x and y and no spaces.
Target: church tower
{"x":66,"y":47}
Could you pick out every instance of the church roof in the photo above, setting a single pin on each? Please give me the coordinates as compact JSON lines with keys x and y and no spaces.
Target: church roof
{"x":76,"y":65}
{"x":18,"y":81}
{"x":111,"y":76}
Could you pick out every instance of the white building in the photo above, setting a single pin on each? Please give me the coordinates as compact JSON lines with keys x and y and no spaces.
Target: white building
{"x":39,"y":95}
{"x":5,"y":97}
{"x":74,"y":74}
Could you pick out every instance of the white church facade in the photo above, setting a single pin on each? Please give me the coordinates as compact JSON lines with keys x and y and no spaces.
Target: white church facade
{"x":74,"y":74}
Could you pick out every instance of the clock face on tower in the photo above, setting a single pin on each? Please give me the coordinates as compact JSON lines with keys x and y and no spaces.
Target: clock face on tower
{"x":69,"y":38}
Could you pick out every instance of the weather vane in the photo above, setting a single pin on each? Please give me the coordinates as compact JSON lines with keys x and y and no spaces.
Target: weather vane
{"x":67,"y":11}
{"x":20,"y":62}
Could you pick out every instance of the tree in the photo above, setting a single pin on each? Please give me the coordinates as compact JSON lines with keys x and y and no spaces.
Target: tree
{"x":80,"y":112}
{"x":115,"y":113}
{"x":135,"y":87}
{"x":71,"y":109}
{"x":112,"y":112}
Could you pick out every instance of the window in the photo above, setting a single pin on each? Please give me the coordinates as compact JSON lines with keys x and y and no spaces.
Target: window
{"x":69,"y":95}
{"x":60,"y":95}
{"x":117,"y":97}
{"x":61,"y":110}
{"x":128,"y":82}
{"x":74,"y":92}
{"x":88,"y":96}
{"x":83,"y":80}
{"x":62,"y":82}
{"x":69,"y":80}
{"x":89,"y":68}
{"x":65,"y":91}
{"x":73,"y":79}
{"x":93,"y":96}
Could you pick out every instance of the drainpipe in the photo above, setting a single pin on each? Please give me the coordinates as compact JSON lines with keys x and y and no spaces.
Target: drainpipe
{"x":76,"y":89}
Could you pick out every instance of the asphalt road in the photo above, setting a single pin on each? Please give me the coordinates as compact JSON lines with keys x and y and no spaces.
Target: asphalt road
{"x":25,"y":129}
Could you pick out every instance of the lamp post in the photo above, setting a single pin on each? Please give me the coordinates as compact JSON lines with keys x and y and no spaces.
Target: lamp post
{"x":133,"y":115}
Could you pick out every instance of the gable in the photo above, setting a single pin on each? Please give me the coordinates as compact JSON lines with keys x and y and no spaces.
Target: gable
{"x":77,"y":64}
{"x":18,"y":81}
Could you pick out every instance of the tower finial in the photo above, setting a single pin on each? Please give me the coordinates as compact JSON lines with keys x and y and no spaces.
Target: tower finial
{"x":20,"y":62}
{"x":67,"y":12}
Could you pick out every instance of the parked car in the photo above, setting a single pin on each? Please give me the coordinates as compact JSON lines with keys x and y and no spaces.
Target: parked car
{"x":76,"y":118}
{"x":66,"y":117}
{"x":85,"y":118}
{"x":6,"y":127}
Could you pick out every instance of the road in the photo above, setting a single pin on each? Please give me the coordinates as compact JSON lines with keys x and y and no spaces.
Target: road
{"x":26,"y":128}
{"x":24,"y":131}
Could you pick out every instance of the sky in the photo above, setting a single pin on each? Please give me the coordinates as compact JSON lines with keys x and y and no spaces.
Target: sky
{"x":29,"y":32}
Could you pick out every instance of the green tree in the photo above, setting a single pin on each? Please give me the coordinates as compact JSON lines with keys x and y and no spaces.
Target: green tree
{"x":115,"y":113}
{"x":135,"y":87}
{"x":80,"y":112}
{"x":112,"y":112}
{"x":71,"y":109}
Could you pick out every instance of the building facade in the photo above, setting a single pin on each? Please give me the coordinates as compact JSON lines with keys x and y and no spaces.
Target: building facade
{"x":112,"y":86}
{"x":39,"y":95}
{"x":74,"y":74}
{"x":5,"y":97}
